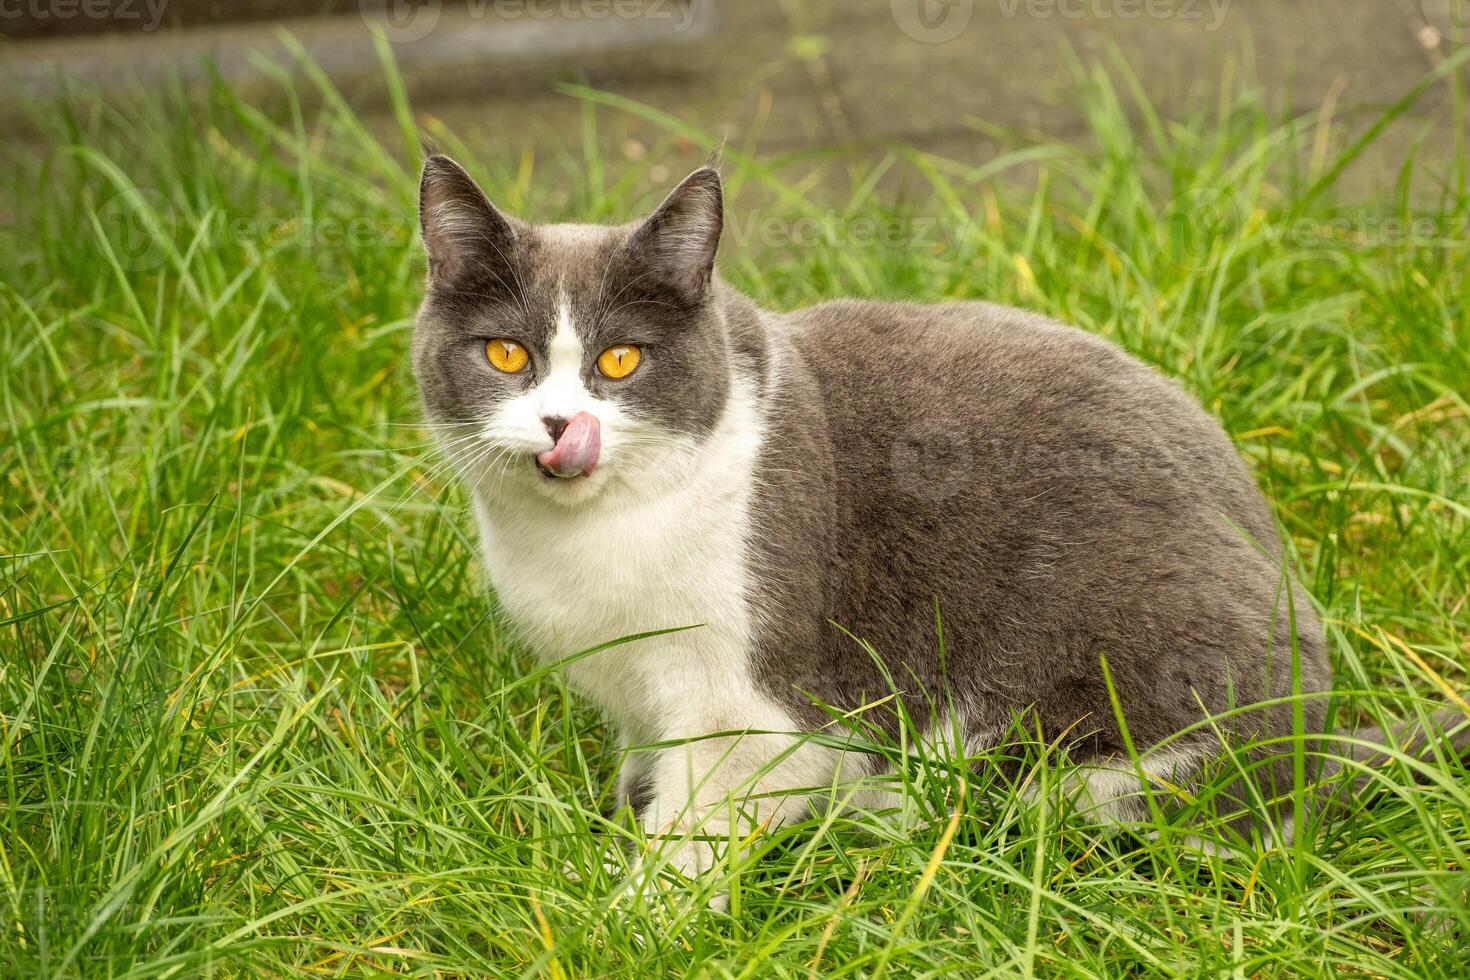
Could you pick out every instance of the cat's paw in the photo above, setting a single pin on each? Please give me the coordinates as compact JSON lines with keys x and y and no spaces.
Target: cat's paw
{"x":643,"y":884}
{"x":688,"y":860}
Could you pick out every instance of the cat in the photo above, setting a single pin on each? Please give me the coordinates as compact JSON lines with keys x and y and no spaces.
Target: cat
{"x":646,"y":449}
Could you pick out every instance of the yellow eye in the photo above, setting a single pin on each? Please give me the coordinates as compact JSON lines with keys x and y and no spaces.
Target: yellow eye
{"x":619,"y":361}
{"x":507,"y":355}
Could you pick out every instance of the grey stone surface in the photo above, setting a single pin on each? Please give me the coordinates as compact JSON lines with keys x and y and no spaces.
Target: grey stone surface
{"x":783,"y":76}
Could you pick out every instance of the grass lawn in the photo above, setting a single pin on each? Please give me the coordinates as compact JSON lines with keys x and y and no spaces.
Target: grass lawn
{"x":258,"y":714}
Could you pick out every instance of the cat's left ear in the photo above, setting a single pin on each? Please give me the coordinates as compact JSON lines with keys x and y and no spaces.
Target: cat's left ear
{"x":679,"y":240}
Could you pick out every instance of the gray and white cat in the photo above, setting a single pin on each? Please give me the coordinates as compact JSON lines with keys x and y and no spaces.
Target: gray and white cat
{"x":648,"y":449}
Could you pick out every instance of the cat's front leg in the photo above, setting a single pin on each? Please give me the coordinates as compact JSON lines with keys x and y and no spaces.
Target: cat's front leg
{"x":715,"y":789}
{"x":633,"y":774}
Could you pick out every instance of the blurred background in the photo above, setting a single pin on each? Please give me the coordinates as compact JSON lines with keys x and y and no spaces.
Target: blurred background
{"x":951,"y":77}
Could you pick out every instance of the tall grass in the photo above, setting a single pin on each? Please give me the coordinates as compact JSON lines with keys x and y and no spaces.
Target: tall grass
{"x":257,"y":714}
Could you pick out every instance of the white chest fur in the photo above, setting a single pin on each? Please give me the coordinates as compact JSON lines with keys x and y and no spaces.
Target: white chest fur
{"x":628,"y":562}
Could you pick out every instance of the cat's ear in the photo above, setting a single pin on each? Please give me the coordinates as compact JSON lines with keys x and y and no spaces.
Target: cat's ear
{"x":464,"y":234}
{"x":679,"y":240}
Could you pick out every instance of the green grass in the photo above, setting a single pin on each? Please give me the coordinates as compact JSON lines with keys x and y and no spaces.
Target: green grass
{"x":257,"y":715}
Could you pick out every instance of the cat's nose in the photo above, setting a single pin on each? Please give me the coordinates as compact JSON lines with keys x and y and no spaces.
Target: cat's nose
{"x":555,"y":425}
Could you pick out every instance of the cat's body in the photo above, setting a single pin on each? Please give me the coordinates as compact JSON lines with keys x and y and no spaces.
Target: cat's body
{"x":787,"y":483}
{"x":1089,"y":509}
{"x":1054,"y":499}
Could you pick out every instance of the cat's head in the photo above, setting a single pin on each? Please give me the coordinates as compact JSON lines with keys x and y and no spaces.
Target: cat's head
{"x":559,"y":361}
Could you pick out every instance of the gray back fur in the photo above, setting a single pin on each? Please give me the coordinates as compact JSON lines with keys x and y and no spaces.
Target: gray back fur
{"x":1057,"y":503}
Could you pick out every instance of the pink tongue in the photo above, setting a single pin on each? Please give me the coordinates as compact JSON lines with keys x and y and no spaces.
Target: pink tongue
{"x":575,"y":453}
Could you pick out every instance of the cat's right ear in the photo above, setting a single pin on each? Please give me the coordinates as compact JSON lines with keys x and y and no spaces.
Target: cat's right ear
{"x":465,"y":235}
